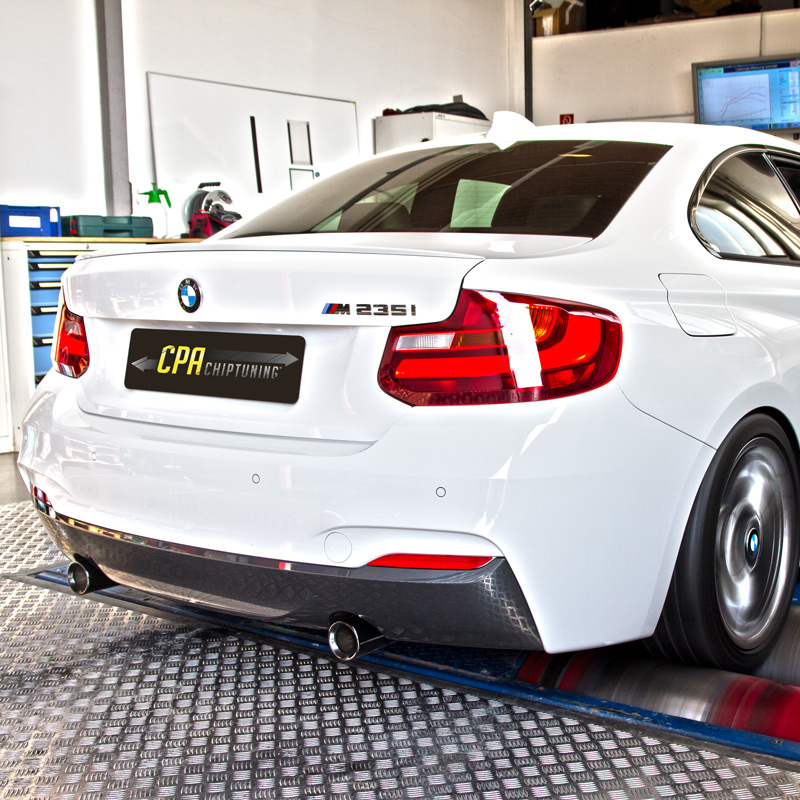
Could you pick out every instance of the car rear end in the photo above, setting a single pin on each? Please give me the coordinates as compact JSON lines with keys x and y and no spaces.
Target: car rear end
{"x":245,"y":465}
{"x":303,"y":428}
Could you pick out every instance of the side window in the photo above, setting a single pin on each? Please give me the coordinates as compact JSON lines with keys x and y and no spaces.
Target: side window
{"x":790,"y":172}
{"x":745,"y":210}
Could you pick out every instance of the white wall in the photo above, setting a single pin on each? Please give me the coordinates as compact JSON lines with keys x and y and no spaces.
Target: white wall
{"x":646,"y":71}
{"x":378,"y":53}
{"x":50,"y":135}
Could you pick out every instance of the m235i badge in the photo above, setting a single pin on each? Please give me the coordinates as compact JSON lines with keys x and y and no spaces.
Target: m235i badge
{"x":372,"y":309}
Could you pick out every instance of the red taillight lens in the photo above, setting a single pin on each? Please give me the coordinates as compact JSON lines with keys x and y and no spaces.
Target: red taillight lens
{"x":71,"y":355}
{"x":421,"y":561}
{"x":502,"y":348}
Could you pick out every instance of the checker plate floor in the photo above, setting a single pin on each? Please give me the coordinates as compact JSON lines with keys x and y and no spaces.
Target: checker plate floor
{"x":98,"y":701}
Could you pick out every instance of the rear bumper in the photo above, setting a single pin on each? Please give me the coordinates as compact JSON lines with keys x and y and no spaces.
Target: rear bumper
{"x":405,"y":604}
{"x":583,"y":499}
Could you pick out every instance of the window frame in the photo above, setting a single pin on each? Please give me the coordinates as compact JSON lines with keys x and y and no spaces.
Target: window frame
{"x":711,"y":170}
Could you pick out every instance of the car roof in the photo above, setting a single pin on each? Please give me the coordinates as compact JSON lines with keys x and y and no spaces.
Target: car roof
{"x":508,"y":128}
{"x":670,"y":133}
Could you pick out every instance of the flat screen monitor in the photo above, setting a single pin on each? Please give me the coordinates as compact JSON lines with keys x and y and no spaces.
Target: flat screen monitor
{"x":763,"y":93}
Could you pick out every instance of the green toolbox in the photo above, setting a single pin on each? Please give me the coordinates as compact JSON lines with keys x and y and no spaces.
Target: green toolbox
{"x":102,"y":227}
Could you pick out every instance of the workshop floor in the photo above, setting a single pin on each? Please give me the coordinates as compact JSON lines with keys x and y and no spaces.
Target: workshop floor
{"x":98,"y":701}
{"x":12,"y":489}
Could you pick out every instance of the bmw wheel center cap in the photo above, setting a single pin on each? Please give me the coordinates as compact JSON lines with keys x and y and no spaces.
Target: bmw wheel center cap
{"x":189,"y":295}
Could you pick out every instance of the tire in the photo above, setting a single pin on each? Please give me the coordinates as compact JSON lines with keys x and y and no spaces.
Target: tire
{"x":737,"y":566}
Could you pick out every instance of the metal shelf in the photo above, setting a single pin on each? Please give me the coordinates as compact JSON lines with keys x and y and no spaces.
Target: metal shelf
{"x":31,"y":278}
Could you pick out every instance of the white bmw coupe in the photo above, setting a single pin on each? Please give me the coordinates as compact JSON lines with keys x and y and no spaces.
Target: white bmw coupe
{"x":537,"y":388}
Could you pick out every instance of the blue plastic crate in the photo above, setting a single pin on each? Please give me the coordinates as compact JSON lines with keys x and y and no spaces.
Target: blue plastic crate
{"x":30,"y":221}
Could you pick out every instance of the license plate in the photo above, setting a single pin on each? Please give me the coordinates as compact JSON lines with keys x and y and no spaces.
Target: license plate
{"x":236,"y":365}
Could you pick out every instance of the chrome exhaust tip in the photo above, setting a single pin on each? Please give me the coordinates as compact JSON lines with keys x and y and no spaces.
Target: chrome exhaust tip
{"x":83,"y":578}
{"x":352,"y":636}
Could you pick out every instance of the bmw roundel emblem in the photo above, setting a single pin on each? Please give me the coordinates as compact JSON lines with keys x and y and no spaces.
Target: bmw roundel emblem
{"x":189,"y":295}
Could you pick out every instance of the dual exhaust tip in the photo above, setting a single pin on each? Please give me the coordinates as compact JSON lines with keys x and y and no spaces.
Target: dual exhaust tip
{"x":84,"y":577}
{"x":352,"y":636}
{"x":348,"y":637}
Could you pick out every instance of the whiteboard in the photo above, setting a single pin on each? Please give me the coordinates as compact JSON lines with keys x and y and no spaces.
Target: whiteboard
{"x":206,"y":131}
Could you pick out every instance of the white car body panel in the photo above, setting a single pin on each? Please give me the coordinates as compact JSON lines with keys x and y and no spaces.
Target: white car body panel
{"x":285,"y":287}
{"x":509,"y":498}
{"x":698,"y":303}
{"x":587,"y":497}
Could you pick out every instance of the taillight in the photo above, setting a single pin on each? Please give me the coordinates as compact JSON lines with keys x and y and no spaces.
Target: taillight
{"x":502,"y":348}
{"x":71,"y":355}
{"x":422,"y":561}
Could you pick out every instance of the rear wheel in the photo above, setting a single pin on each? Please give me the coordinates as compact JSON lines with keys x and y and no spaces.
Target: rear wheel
{"x":737,"y":567}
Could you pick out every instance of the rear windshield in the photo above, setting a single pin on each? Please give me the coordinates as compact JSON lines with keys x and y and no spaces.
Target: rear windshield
{"x":563,"y":188}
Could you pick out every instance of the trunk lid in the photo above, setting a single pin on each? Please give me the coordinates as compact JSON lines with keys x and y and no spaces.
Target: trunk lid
{"x":323,"y":302}
{"x":323,"y":315}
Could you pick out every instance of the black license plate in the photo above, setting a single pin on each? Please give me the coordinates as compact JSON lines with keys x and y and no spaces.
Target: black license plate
{"x":237,"y":365}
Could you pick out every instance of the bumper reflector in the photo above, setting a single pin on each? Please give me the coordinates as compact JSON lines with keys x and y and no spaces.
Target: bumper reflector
{"x":421,"y":561}
{"x":41,"y":501}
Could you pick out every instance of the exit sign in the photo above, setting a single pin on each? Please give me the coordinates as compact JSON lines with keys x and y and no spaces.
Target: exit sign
{"x":566,"y":119}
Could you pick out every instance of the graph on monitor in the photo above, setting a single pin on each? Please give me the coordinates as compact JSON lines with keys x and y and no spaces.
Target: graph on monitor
{"x":735,"y":98}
